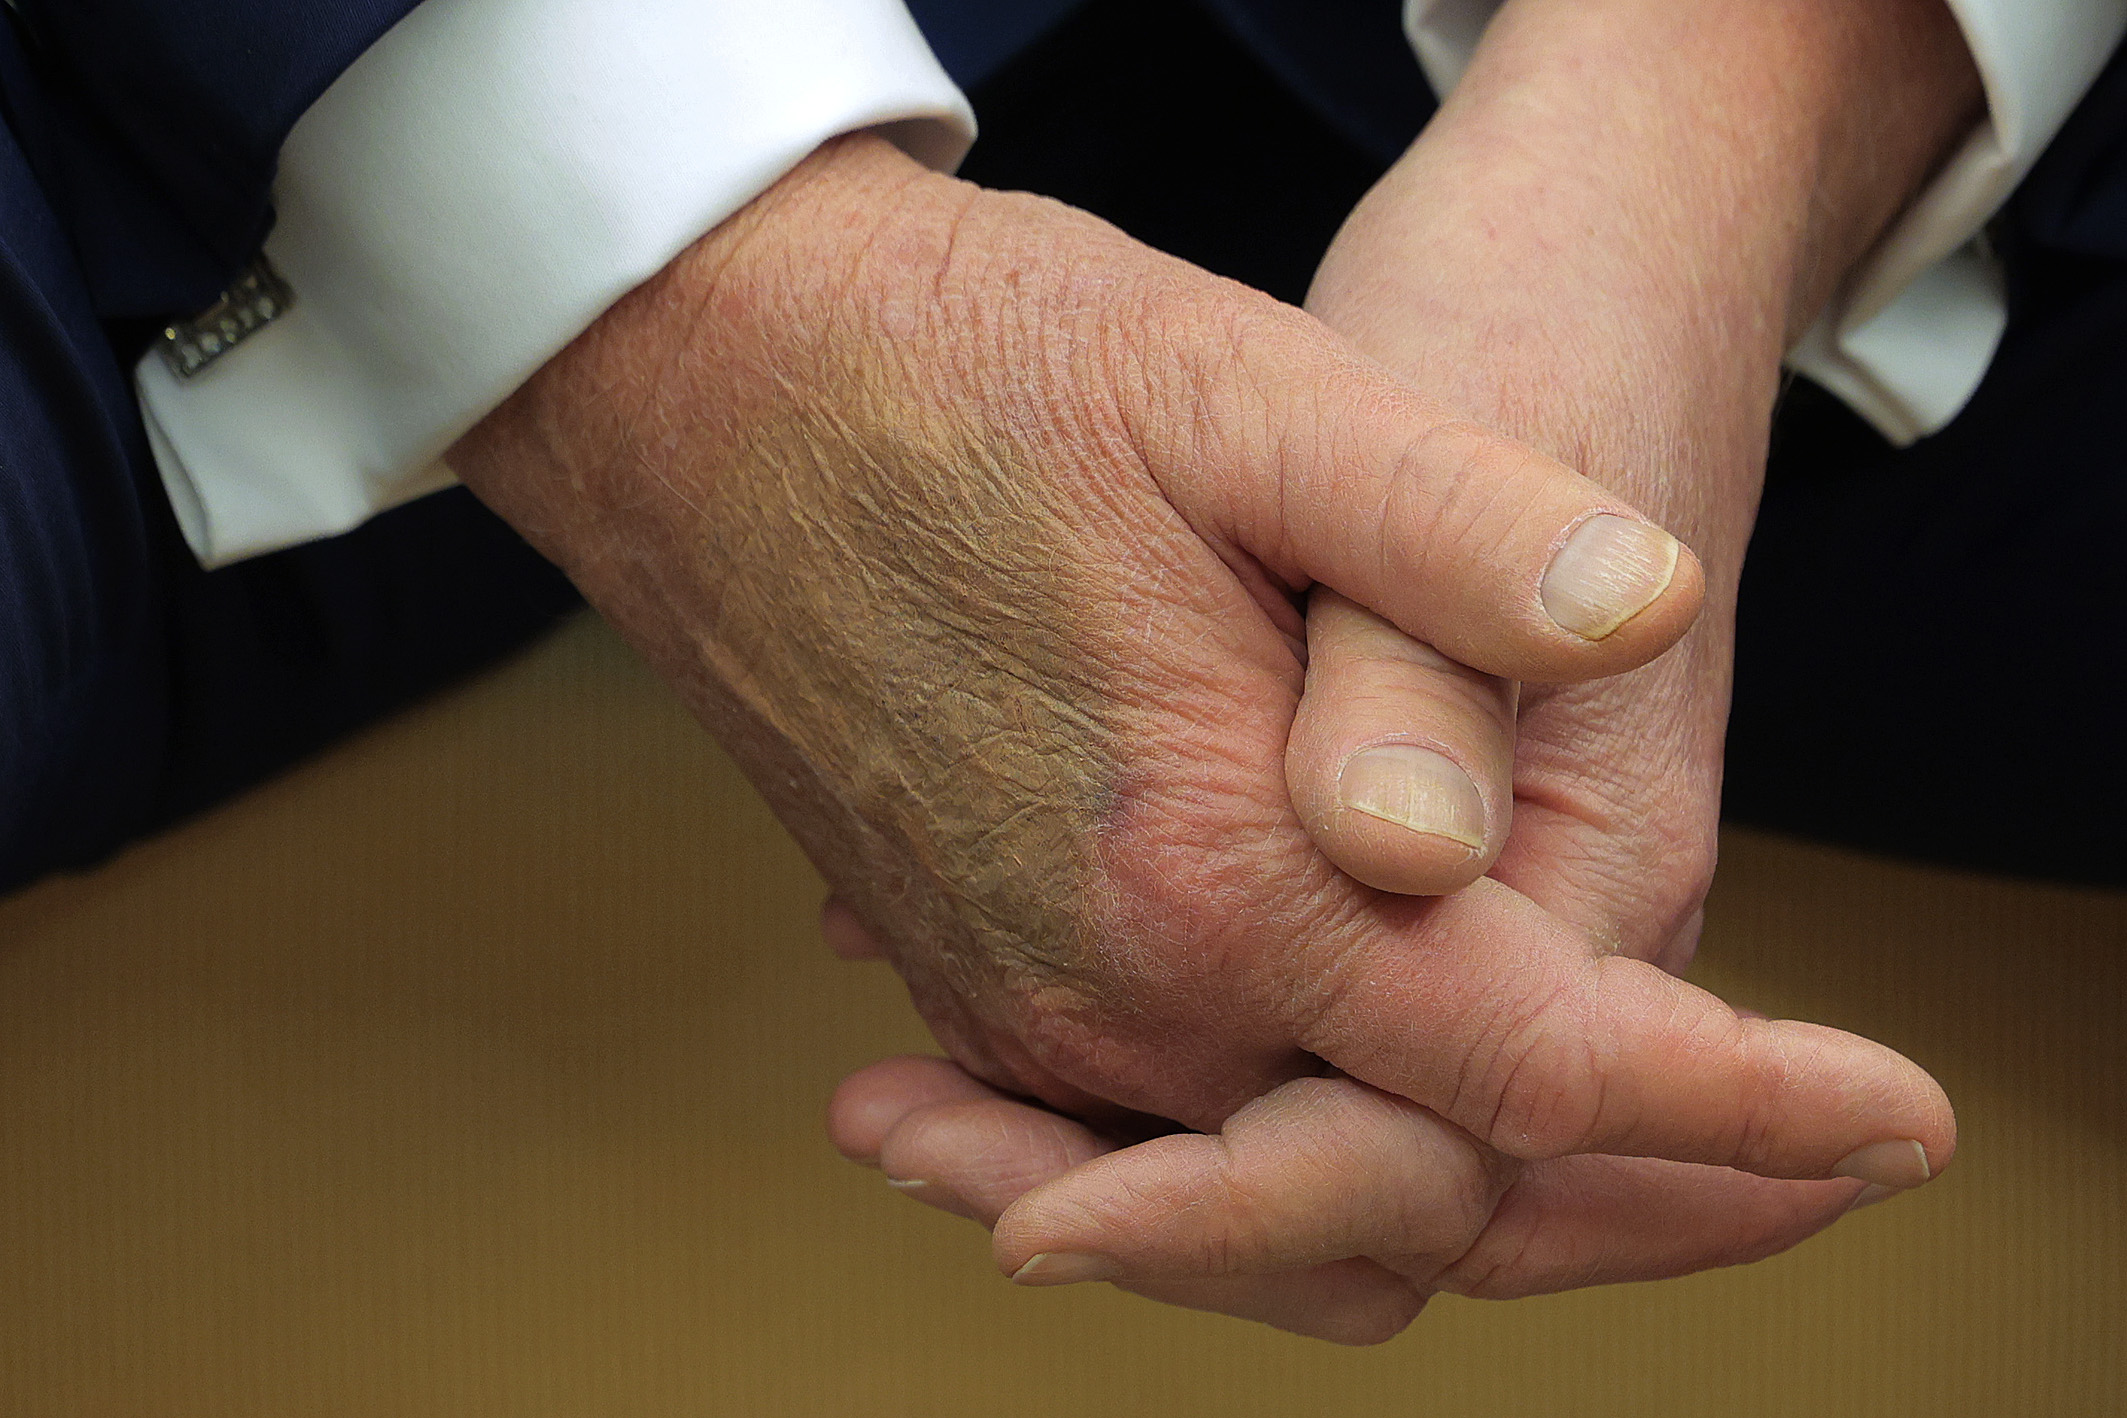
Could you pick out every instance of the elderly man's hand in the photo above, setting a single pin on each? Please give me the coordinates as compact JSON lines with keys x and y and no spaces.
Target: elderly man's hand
{"x":970,"y":526}
{"x":1604,"y":302}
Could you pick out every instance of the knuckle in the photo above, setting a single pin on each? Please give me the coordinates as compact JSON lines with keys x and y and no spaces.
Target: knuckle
{"x":1500,"y":1266}
{"x":1472,"y":1198}
{"x":1538,"y":1090}
{"x":1436,"y":472}
{"x":1549,"y":1104}
{"x":1461,"y":456}
{"x":1255,"y":1230}
{"x":1441,"y":1214}
{"x":1457,"y":490}
{"x":1762,"y":1089}
{"x":1689,"y":853}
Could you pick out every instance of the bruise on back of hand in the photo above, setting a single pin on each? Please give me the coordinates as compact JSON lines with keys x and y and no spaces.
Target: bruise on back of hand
{"x":909,"y":632}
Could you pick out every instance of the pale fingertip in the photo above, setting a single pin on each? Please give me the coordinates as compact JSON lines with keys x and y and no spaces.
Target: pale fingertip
{"x":1871,"y":1194}
{"x":1389,"y":858}
{"x":845,"y":935}
{"x":1408,"y":820}
{"x":870,"y":1103}
{"x":859,"y":1116}
{"x":1065,"y":1268}
{"x":930,"y":1194}
{"x":1899,"y":1164}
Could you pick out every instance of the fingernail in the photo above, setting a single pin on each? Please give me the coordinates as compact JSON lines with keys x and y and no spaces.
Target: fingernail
{"x":930,"y":1194}
{"x":1065,"y":1268}
{"x":1414,"y":788}
{"x":1870,"y":1195}
{"x":1900,"y":1164}
{"x":1609,"y":570}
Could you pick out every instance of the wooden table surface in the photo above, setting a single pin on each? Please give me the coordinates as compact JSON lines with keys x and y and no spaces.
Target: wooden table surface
{"x":477,"y":1069}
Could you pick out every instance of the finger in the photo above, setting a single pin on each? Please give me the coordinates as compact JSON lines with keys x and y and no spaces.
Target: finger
{"x":942,"y":1125}
{"x":1326,"y":1169}
{"x":1344,"y":1302}
{"x":846,"y":936}
{"x":1676,"y":954}
{"x":928,"y":1124}
{"x":1286,"y":447}
{"x":1544,"y":1051}
{"x":1400,"y":760}
{"x":1583,"y":1221}
{"x":952,"y":1143}
{"x":871,"y":1102}
{"x":1560,"y":1225}
{"x":1317,"y":1171}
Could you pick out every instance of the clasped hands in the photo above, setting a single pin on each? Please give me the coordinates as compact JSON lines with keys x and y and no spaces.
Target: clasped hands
{"x":1406,"y":1076}
{"x":1138,"y":659}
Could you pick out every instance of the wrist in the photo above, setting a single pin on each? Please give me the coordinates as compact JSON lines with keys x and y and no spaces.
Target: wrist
{"x":1756,"y":150}
{"x":1626,"y":211}
{"x":1517,"y":301}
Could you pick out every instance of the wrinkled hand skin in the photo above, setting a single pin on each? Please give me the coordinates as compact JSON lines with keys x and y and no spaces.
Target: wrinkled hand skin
{"x":972,"y":529}
{"x":1520,"y":265}
{"x":925,"y":628}
{"x":932,"y":703}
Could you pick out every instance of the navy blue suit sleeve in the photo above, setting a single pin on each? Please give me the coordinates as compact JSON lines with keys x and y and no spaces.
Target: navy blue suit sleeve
{"x":155,"y":126}
{"x":138,"y":140}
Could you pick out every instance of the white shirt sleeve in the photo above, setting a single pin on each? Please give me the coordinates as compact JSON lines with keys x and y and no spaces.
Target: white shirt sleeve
{"x":1907,"y":342}
{"x":471,"y":195}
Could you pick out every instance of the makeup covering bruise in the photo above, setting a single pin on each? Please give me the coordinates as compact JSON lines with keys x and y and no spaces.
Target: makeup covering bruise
{"x":923,"y":709}
{"x":936,"y":693}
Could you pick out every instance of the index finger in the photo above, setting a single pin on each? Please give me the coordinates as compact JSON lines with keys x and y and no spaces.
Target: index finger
{"x":1494,"y":1014}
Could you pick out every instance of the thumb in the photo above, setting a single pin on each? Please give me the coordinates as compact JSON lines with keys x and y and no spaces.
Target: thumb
{"x":1285,"y":447}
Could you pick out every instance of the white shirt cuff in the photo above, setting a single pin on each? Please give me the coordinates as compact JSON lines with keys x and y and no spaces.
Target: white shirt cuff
{"x":1909,"y":339}
{"x":471,"y":195}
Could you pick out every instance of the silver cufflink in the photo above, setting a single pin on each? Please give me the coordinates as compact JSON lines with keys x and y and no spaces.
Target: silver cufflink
{"x":258,"y":298}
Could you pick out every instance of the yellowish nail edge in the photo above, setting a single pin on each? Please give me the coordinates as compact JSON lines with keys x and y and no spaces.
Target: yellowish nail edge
{"x":1475,"y":844}
{"x":1063,"y":1268}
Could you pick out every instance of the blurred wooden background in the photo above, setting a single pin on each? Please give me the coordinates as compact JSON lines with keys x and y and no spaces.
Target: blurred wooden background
{"x":477,"y":1070}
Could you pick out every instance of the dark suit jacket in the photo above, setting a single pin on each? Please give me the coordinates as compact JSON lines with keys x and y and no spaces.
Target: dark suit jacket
{"x":137,"y":147}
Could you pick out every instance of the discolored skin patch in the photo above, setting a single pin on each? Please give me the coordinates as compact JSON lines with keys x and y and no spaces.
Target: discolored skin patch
{"x":924,"y":625}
